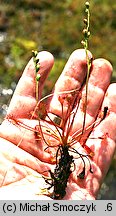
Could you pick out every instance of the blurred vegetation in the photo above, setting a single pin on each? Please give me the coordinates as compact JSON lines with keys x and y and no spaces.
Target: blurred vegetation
{"x":55,"y":26}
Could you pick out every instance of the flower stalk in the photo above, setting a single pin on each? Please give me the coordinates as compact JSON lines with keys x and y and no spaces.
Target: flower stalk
{"x":37,"y":68}
{"x":85,"y":43}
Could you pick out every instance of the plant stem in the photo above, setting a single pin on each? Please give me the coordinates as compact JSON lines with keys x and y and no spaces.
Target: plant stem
{"x":86,"y":33}
{"x":37,"y":68}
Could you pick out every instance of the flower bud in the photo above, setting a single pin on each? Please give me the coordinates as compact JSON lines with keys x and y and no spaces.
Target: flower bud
{"x":38,"y":77}
{"x":87,"y":4}
{"x":34,"y":53}
{"x":37,"y":68}
{"x":85,"y":32}
{"x":83,"y":43}
{"x":85,"y":21}
{"x":88,"y":33}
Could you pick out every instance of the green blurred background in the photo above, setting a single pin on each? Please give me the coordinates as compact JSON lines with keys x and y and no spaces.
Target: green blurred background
{"x":55,"y":26}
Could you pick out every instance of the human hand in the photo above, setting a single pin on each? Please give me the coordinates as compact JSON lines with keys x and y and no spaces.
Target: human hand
{"x":23,"y":157}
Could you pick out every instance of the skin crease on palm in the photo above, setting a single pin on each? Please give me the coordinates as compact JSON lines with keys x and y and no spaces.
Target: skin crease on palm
{"x":22,"y":157}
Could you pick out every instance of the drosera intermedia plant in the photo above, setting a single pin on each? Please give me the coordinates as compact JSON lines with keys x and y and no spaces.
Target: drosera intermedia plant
{"x":66,"y":154}
{"x":64,"y":160}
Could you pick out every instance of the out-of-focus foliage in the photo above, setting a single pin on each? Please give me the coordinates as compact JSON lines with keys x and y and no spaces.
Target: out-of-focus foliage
{"x":55,"y":26}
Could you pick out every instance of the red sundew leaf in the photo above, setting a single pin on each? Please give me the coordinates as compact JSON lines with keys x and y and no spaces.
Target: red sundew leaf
{"x":61,"y":99}
{"x":89,"y":151}
{"x":42,"y":112}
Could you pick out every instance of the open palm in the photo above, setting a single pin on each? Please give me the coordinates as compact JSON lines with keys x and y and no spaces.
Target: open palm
{"x":23,"y":157}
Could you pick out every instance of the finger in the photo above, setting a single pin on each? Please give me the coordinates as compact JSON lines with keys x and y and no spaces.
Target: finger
{"x":23,"y":101}
{"x":104,"y":142}
{"x":108,"y":125}
{"x":98,"y":83}
{"x":71,"y":78}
